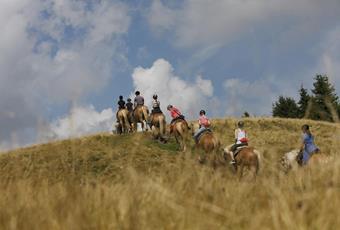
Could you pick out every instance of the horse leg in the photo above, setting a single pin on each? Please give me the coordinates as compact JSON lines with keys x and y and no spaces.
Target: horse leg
{"x":121,"y":123}
{"x":213,"y":159}
{"x":241,"y":171}
{"x":201,"y":155}
{"x":254,"y":170}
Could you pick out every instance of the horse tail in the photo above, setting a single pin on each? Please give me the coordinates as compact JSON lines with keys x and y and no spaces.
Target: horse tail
{"x":161,"y":121}
{"x":145,"y":112}
{"x":259,"y":159}
{"x":126,"y":121}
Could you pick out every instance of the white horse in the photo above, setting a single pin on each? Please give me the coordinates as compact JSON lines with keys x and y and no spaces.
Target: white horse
{"x":289,"y":160}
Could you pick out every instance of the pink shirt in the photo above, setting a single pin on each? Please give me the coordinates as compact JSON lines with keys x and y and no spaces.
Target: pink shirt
{"x":204,"y":121}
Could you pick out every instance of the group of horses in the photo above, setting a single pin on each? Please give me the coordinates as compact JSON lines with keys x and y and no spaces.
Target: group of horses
{"x":207,"y":146}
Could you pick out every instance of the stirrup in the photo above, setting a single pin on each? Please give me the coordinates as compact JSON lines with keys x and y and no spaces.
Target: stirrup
{"x":232,"y":162}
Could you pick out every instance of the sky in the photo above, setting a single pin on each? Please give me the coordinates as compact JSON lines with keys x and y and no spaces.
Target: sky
{"x":63,"y":63}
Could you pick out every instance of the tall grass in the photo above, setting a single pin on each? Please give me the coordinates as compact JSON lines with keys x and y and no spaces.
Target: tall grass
{"x":129,"y":182}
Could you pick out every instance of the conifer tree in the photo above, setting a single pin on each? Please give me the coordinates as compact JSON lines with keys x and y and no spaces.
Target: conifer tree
{"x":325,"y":101}
{"x":303,"y":102}
{"x":285,"y":107}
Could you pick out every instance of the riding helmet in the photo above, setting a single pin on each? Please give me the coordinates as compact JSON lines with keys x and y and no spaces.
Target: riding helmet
{"x":202,"y":112}
{"x":120,"y":97}
{"x":137,"y":93}
{"x":169,"y":107}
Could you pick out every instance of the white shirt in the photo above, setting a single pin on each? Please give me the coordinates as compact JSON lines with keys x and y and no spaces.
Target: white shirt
{"x":239,"y":135}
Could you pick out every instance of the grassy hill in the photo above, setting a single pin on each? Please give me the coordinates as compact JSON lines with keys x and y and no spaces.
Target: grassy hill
{"x":131,"y":182}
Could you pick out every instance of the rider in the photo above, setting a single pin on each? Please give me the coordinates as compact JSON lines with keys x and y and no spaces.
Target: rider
{"x":204,"y":124}
{"x":308,"y":146}
{"x":121,"y":105}
{"x":174,"y":113}
{"x":240,"y":140}
{"x":156,"y":105}
{"x":139,"y":100}
{"x":129,"y":105}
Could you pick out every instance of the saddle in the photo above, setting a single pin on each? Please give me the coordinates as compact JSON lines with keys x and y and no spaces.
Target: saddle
{"x":156,"y":110}
{"x":175,"y":121}
{"x":238,"y":150}
{"x":201,"y":134}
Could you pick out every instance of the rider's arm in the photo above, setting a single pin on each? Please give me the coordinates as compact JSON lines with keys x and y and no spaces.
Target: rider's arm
{"x":302,"y":147}
{"x":236,"y":135}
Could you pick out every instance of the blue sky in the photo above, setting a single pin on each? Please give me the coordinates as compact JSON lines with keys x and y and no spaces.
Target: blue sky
{"x":66,"y":62}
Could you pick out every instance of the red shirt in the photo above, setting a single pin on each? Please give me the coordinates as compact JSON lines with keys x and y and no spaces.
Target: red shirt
{"x":174,"y":112}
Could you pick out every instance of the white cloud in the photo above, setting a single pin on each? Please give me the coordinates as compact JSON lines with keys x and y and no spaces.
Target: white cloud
{"x":54,"y":52}
{"x":160,"y":17}
{"x":171,"y":89}
{"x":329,"y":62}
{"x":81,"y":121}
{"x":253,"y":97}
{"x":205,"y":23}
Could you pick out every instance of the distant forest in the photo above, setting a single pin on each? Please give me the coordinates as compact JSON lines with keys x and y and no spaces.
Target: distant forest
{"x":321,"y":103}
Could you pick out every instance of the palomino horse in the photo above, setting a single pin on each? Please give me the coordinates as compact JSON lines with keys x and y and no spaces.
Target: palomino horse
{"x":180,"y":129}
{"x":141,"y":115}
{"x":247,"y":157}
{"x":123,"y":119}
{"x":158,"y":124}
{"x":289,"y":160}
{"x":208,"y":145}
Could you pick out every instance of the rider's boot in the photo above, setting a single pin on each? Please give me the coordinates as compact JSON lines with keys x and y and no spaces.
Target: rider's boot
{"x":232,"y":162}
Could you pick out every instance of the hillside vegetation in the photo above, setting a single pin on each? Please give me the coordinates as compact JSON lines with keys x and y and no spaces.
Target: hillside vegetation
{"x":132,"y":182}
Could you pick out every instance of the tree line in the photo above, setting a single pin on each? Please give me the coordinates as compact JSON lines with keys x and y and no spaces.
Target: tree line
{"x":321,"y":104}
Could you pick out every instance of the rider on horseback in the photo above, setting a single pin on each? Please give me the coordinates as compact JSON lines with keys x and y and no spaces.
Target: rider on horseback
{"x":240,"y":140}
{"x":204,"y":124}
{"x":155,"y":109}
{"x":121,"y":105}
{"x":155,"y":105}
{"x":139,"y":100}
{"x":175,"y":114}
{"x":308,"y":146}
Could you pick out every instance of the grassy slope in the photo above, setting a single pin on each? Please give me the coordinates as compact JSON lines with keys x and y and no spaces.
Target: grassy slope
{"x":127,"y":182}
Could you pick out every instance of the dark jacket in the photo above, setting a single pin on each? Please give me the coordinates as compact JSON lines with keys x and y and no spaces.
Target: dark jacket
{"x":129,"y":106}
{"x":121,"y":104}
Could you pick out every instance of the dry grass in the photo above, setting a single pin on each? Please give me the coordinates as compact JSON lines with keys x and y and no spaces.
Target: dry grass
{"x":131,"y":182}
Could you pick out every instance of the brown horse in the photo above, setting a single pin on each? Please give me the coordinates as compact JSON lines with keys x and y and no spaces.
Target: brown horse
{"x":247,"y":157}
{"x":123,"y":119}
{"x":158,"y":124}
{"x":141,"y":115}
{"x":180,"y":129}
{"x":208,"y":146}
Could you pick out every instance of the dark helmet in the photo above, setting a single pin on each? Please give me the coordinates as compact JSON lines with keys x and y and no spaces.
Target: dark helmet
{"x":137,"y":93}
{"x":155,"y":96}
{"x":120,"y":97}
{"x":129,"y":99}
{"x":202,"y":112}
{"x":305,"y":127}
{"x":240,"y":124}
{"x":169,"y":107}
